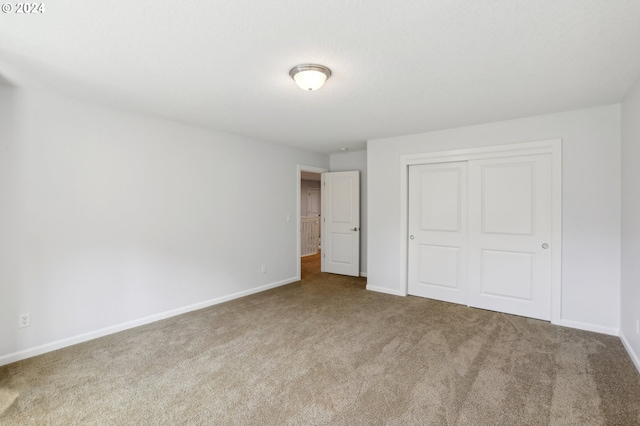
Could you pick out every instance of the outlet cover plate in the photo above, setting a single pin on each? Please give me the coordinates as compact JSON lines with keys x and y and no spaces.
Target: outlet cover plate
{"x":24,"y":320}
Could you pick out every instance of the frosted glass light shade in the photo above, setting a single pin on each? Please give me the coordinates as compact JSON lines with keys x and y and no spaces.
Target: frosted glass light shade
{"x":309,"y":76}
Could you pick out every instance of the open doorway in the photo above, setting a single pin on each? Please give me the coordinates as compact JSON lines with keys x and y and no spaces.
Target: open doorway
{"x":310,"y":224}
{"x":338,"y":223}
{"x":309,"y":221}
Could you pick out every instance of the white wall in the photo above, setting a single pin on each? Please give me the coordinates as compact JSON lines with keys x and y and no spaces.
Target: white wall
{"x":110,"y":219}
{"x":591,"y":204}
{"x":630,"y":285}
{"x":351,"y":161}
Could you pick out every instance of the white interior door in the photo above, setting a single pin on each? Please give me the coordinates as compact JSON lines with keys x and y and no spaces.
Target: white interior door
{"x":437,"y":252}
{"x":313,"y":208}
{"x":313,"y":201}
{"x":341,"y":219}
{"x":510,"y":235}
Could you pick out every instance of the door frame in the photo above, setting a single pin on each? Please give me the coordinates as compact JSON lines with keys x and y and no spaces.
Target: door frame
{"x":552,"y":147}
{"x":299,"y":169}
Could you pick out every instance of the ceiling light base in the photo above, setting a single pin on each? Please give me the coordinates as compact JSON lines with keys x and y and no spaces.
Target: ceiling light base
{"x":310,"y":76}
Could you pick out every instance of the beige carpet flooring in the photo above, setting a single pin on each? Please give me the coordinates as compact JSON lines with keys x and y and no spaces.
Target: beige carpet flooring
{"x":326,"y":351}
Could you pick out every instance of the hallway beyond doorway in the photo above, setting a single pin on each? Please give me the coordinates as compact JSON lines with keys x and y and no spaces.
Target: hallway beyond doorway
{"x":310,"y":265}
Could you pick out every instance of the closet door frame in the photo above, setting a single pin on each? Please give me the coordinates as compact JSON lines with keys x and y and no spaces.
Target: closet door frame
{"x":552,"y":147}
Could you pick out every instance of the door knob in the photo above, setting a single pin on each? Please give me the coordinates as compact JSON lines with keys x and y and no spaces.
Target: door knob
{"x":411,"y":237}
{"x":353,"y":229}
{"x":545,"y":246}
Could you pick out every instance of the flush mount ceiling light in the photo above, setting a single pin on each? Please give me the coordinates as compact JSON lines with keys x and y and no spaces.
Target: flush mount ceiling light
{"x":310,"y":76}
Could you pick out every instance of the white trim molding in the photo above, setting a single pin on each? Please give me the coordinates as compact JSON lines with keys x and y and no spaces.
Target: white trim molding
{"x":634,"y":356}
{"x":552,"y":147}
{"x":588,"y":327}
{"x":74,"y":340}
{"x":385,"y":290}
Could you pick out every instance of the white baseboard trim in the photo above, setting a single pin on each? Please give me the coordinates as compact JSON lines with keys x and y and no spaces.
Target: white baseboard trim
{"x":588,"y":327}
{"x":69,"y":341}
{"x":363,"y":274}
{"x":634,"y":356}
{"x":385,"y":290}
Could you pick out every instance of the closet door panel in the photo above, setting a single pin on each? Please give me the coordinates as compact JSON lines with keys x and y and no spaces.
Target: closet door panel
{"x":509,"y":235}
{"x":438,"y":231}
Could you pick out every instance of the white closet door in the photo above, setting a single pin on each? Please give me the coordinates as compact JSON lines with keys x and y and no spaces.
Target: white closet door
{"x":438,"y":231}
{"x":510,"y":235}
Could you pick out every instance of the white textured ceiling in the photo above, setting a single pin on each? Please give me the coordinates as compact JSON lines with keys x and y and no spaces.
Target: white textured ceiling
{"x":398,"y":67}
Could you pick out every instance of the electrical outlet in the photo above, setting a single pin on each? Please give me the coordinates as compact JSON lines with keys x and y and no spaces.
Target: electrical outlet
{"x":24,"y":320}
{"x":264,"y":269}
